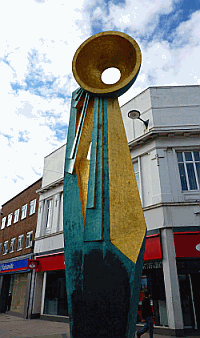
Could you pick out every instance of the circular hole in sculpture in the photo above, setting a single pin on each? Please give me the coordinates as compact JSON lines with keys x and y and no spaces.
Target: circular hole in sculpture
{"x":110,"y":75}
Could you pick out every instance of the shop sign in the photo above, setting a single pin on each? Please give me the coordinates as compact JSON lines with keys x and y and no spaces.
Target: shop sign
{"x":32,"y":263}
{"x":153,"y":248}
{"x":187,"y":244}
{"x":152,"y":265}
{"x":13,"y":266}
{"x":51,"y":262}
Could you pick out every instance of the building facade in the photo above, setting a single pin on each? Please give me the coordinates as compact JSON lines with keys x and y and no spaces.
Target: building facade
{"x":17,"y":233}
{"x":166,"y":160}
{"x":49,"y":294}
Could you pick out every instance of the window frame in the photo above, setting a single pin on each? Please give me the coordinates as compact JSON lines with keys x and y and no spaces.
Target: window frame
{"x":9,"y":222}
{"x":186,"y":172}
{"x":3,"y":222}
{"x":16,"y":216}
{"x":6,"y":242}
{"x":138,"y":181}
{"x":24,"y":211}
{"x":32,"y":207}
{"x":28,"y":235}
{"x":49,"y":213}
{"x":13,"y":245}
{"x":20,"y":240}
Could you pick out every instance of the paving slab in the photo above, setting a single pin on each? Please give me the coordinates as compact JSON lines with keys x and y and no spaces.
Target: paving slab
{"x":16,"y":327}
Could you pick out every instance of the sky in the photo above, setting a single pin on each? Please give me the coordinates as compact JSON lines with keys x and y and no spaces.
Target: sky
{"x":37,"y":42}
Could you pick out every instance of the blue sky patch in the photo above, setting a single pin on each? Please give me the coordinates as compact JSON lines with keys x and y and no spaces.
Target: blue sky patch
{"x":60,"y":130}
{"x":23,"y":136}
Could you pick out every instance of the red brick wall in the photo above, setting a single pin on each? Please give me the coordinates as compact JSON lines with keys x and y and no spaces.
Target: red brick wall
{"x":22,"y":226}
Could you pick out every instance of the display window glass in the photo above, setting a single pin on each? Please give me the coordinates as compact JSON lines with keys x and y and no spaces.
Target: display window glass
{"x":56,"y":296}
{"x":152,"y":280}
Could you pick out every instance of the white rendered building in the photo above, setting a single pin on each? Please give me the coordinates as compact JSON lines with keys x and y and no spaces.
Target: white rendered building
{"x":49,"y":293}
{"x":166,"y":162}
{"x":166,"y":159}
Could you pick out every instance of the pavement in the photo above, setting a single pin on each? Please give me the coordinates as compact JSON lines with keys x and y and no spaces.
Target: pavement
{"x":16,"y":327}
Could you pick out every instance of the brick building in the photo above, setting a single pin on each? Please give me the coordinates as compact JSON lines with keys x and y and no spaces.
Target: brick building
{"x":18,"y":221}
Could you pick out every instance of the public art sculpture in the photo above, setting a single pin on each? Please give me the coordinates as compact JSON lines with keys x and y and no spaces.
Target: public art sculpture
{"x":104,"y":226}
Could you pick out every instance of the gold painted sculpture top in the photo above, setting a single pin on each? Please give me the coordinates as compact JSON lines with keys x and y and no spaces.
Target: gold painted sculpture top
{"x":102,"y":51}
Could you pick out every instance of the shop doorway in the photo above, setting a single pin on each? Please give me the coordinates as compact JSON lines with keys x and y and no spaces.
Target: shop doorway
{"x":10,"y":292}
{"x":153,"y":281}
{"x":5,"y":293}
{"x":55,"y":295}
{"x":190,"y":299}
{"x":195,"y":284}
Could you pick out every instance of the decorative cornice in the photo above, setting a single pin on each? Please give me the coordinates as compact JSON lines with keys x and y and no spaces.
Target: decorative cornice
{"x":170,"y":204}
{"x":51,"y":186}
{"x":168,"y":131}
{"x":49,"y":235}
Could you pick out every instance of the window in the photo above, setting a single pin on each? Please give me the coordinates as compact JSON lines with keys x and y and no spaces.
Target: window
{"x":16,"y":216}
{"x":9,"y":220}
{"x":49,"y":213}
{"x":0,"y":248}
{"x":24,"y":210}
{"x":137,"y":175}
{"x":12,"y":245}
{"x":20,"y":242}
{"x":29,"y":237}
{"x":32,"y":207}
{"x":5,"y":247}
{"x":189,"y":169}
{"x":3,"y":222}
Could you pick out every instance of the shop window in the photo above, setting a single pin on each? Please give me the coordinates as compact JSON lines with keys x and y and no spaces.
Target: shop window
{"x":153,"y":281}
{"x":189,"y":169}
{"x":9,"y":220}
{"x":29,"y":237}
{"x":49,"y":213}
{"x":187,"y":302}
{"x":32,"y":207}
{"x":24,"y":211}
{"x":3,"y":222}
{"x":16,"y":216}
{"x":5,"y":247}
{"x":12,"y":245}
{"x":55,"y":295}
{"x":20,"y":242}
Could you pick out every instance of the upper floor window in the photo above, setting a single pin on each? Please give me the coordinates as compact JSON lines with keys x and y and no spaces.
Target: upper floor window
{"x":5,"y":247}
{"x":24,"y":211}
{"x":137,"y":175}
{"x":29,"y":238}
{"x":9,"y":220}
{"x":49,"y":212}
{"x":0,"y":248}
{"x":12,"y":245}
{"x":16,"y":216}
{"x":32,"y":207}
{"x":20,"y":242}
{"x":189,"y":169}
{"x":3,"y":222}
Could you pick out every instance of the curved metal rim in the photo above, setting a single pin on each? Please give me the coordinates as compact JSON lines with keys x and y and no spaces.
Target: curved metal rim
{"x":116,"y":86}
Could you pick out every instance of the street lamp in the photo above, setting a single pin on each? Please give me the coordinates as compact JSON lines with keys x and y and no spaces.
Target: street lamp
{"x":135,"y":114}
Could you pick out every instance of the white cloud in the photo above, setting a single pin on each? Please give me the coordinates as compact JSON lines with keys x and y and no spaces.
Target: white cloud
{"x":52,"y":31}
{"x":165,"y":63}
{"x":37,"y":46}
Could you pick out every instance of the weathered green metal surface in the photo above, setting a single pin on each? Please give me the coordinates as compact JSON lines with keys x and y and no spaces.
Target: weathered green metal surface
{"x":103,"y":284}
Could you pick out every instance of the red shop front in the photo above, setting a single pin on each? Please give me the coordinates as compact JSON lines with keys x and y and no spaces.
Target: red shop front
{"x":54,"y":284}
